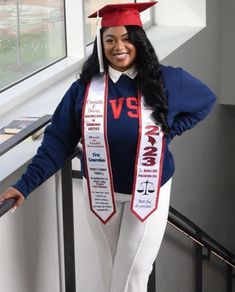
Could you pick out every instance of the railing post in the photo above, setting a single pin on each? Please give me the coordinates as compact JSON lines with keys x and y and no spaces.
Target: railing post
{"x":199,"y":268}
{"x":152,"y":282}
{"x":229,"y":279}
{"x":68,"y":226}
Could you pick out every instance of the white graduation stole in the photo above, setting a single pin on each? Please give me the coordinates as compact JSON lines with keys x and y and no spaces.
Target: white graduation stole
{"x":148,"y":162}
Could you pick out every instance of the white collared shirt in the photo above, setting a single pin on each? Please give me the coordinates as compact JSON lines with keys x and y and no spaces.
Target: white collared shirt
{"x":115,"y":74}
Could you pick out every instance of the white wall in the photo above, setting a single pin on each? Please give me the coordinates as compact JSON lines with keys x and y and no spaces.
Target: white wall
{"x":181,"y":12}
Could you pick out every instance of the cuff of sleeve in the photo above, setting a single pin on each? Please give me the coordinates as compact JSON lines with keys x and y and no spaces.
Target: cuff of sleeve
{"x":21,"y":189}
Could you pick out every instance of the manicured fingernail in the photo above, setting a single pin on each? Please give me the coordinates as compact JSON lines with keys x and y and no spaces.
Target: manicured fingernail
{"x":13,"y":209}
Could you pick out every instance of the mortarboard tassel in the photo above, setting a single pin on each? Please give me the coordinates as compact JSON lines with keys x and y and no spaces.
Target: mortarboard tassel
{"x":99,"y":44}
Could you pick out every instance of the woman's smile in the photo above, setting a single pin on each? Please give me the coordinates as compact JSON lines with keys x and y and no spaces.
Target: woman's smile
{"x":120,"y":56}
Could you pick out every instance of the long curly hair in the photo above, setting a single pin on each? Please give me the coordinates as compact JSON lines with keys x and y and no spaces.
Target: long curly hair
{"x":149,"y":76}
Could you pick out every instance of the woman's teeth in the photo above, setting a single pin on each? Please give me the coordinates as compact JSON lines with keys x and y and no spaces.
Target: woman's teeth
{"x":120,"y":56}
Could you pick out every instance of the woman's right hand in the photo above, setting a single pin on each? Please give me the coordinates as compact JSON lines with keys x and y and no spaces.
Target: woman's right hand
{"x":13,"y":193}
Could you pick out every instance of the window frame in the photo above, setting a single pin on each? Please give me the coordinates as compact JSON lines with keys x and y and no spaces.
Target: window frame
{"x":33,"y":84}
{"x":44,"y":67}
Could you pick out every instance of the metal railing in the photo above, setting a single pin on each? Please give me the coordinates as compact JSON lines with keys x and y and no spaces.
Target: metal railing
{"x":201,"y":239}
{"x":23,"y":134}
{"x":205,"y":246}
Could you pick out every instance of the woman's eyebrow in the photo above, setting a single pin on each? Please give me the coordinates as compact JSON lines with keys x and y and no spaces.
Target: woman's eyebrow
{"x":110,"y":35}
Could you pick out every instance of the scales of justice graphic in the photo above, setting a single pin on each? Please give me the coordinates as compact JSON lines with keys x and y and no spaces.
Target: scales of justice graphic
{"x":146,"y":188}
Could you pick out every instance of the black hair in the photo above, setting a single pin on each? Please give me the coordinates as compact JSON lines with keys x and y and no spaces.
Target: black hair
{"x":149,"y":76}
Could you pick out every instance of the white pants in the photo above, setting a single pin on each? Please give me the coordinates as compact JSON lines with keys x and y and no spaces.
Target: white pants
{"x":127,"y":247}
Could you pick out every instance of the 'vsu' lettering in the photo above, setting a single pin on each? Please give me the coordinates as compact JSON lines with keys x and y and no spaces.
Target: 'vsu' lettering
{"x":117,"y":106}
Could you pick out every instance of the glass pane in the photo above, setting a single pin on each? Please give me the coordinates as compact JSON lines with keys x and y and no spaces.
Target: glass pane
{"x":32,"y":36}
{"x":92,"y":6}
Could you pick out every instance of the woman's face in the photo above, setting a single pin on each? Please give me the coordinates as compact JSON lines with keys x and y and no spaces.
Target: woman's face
{"x":118,"y":50}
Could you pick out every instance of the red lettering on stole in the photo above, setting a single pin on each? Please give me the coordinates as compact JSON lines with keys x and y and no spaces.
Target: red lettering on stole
{"x":117,"y":105}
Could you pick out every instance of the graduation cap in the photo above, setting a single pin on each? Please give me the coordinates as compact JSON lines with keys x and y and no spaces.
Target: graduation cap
{"x":121,"y":14}
{"x":118,"y":15}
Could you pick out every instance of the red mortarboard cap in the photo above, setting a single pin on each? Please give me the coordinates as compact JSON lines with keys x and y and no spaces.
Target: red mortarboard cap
{"x":122,"y":14}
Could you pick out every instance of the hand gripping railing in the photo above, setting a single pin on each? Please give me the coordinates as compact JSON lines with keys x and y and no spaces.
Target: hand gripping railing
{"x":201,"y":239}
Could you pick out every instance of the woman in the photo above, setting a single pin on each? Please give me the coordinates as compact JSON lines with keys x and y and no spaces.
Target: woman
{"x":126,"y":117}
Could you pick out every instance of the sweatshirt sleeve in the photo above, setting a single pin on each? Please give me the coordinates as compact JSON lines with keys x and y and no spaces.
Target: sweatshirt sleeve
{"x":195,"y":101}
{"x":59,"y":142}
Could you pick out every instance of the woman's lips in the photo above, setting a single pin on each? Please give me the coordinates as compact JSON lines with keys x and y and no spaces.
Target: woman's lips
{"x":120,"y":56}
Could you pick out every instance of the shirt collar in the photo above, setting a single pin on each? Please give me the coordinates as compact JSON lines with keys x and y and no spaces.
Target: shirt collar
{"x":115,"y":74}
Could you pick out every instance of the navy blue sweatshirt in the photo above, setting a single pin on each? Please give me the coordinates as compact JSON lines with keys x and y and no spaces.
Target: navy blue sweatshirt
{"x":189,"y":101}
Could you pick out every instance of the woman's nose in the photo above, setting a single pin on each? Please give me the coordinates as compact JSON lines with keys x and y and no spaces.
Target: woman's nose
{"x":119,"y":45}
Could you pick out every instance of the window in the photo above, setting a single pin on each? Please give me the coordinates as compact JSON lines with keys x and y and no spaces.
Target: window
{"x":32,"y":37}
{"x":92,"y":6}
